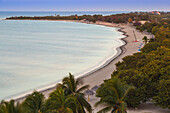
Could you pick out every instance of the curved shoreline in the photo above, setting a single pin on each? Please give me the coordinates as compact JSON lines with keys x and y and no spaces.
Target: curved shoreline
{"x":119,"y":50}
{"x":52,"y":86}
{"x":97,"y":77}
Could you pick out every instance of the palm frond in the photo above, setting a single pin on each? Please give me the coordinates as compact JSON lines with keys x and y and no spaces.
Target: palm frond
{"x":105,"y":110}
{"x":84,"y":103}
{"x":127,"y":90}
{"x":68,"y":110}
{"x":115,"y":92}
{"x":98,"y":103}
{"x":10,"y":107}
{"x":59,"y":85}
{"x":68,"y":83}
{"x":34,"y":102}
{"x":82,"y":88}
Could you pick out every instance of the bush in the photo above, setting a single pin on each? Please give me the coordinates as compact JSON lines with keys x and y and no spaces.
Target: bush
{"x":150,"y":47}
{"x":163,"y":95}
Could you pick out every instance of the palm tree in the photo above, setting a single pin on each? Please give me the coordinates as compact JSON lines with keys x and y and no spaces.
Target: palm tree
{"x":145,"y":39}
{"x":59,"y":102}
{"x":70,"y":84}
{"x":34,"y":103}
{"x":113,"y":92}
{"x":151,"y":40}
{"x":10,"y":107}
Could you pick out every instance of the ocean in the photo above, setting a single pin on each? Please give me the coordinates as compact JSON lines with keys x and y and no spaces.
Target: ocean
{"x":35,"y":54}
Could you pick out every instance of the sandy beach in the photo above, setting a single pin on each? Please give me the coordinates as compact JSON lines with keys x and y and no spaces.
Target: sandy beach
{"x":97,"y":77}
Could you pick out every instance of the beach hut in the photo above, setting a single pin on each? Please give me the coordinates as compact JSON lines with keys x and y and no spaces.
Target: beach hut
{"x":88,"y":92}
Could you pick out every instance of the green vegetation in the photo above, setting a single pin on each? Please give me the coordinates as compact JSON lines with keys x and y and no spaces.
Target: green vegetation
{"x":67,"y":98}
{"x":10,"y":107}
{"x":117,"y":18}
{"x":59,"y":102}
{"x":113,"y":92}
{"x":72,"y":98}
{"x":70,"y":85}
{"x":34,"y":103}
{"x":145,"y":39}
{"x":148,"y":71}
{"x":162,"y":97}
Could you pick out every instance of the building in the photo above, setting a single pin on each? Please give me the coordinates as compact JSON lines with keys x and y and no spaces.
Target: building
{"x":155,"y":13}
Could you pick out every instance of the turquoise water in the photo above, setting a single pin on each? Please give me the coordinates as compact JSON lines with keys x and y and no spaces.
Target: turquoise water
{"x":34,"y":54}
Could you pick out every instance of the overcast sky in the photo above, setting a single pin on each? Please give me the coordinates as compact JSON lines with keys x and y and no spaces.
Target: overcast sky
{"x":84,"y":5}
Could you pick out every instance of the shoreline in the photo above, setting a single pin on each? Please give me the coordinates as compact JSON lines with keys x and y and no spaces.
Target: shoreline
{"x":44,"y":89}
{"x":96,"y":77}
{"x":119,"y":50}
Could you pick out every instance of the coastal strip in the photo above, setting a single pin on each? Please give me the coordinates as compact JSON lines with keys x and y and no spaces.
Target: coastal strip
{"x":96,"y":77}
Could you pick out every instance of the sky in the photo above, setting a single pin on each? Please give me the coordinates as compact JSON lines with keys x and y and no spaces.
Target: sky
{"x":84,"y":5}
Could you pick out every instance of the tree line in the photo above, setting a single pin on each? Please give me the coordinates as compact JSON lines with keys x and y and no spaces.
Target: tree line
{"x":116,"y":18}
{"x":139,"y":78}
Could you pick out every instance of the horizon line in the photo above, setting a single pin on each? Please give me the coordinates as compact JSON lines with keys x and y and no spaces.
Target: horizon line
{"x":86,"y":10}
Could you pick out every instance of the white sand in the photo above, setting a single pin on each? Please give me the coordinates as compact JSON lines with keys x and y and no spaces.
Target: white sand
{"x":98,"y":76}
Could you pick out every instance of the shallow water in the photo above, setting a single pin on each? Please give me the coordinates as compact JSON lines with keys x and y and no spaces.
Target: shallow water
{"x":37,"y":53}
